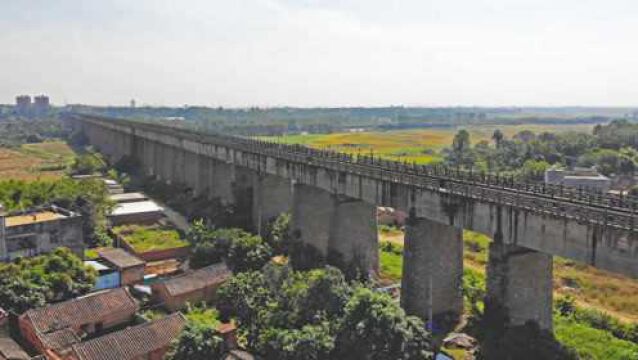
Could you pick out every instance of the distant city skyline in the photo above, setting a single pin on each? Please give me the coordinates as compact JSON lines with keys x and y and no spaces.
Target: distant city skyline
{"x":321,"y":53}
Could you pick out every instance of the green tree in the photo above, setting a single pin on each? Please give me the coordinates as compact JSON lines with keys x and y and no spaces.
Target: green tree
{"x":311,"y":342}
{"x":32,"y":282}
{"x":498,"y":137}
{"x":376,"y":328}
{"x":197,"y":342}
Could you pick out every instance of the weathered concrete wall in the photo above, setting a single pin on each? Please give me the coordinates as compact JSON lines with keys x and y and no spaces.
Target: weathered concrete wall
{"x":354,"y":241}
{"x":432,"y":269}
{"x":312,"y":215}
{"x":272,"y":197}
{"x":519,"y":284}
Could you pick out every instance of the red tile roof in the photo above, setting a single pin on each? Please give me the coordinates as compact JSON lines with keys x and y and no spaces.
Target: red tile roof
{"x":88,"y":309}
{"x":199,"y":279}
{"x":133,"y":342}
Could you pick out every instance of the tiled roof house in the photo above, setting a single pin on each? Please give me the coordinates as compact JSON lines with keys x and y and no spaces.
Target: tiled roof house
{"x":147,"y":341}
{"x":199,"y":285}
{"x":58,"y":326}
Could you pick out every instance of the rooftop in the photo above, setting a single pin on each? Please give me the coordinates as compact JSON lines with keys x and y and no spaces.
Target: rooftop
{"x":75,"y":312}
{"x":133,"y":342}
{"x":128,"y":197}
{"x":10,"y":350}
{"x":120,"y":258}
{"x":32,"y":218}
{"x":138,"y":207}
{"x":198,"y":279}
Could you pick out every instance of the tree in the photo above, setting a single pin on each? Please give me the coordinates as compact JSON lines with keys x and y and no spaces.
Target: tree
{"x":498,"y":136}
{"x":311,"y":342}
{"x":241,"y":250}
{"x":278,"y":234}
{"x":376,"y":328}
{"x":32,"y":282}
{"x":197,"y":342}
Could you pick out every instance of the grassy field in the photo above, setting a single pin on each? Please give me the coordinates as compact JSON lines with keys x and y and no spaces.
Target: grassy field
{"x":149,"y":238}
{"x":422,"y":146}
{"x":46,"y":160}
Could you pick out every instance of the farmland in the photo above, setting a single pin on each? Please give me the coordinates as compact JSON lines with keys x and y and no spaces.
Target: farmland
{"x":422,"y":146}
{"x":46,"y":160}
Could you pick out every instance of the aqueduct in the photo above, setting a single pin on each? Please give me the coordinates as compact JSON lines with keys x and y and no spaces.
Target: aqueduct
{"x":333,"y":199}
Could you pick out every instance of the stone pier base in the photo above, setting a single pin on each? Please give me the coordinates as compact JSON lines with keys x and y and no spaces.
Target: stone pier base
{"x":272,"y":196}
{"x":432,"y":282}
{"x":519,"y":284}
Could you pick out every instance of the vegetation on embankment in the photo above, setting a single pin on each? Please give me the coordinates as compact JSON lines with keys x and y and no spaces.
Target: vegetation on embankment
{"x":590,"y":332}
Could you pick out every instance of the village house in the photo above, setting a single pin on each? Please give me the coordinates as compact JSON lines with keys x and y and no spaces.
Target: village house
{"x":148,"y":341}
{"x":129,"y":266}
{"x":53,"y":329}
{"x":193,"y":287}
{"x":39,"y":230}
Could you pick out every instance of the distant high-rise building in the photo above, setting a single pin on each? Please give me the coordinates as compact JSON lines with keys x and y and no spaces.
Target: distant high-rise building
{"x":132,"y":103}
{"x":41,"y":104}
{"x":23,"y":104}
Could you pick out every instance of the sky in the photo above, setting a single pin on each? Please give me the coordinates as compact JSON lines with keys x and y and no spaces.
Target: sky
{"x":321,"y":52}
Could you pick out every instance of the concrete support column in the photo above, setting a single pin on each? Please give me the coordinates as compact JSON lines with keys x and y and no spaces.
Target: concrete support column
{"x":432,"y":282}
{"x":312,"y":214}
{"x":242,"y":191}
{"x":272,"y":196}
{"x":221,"y":181}
{"x":202,"y":186}
{"x":354,"y":241}
{"x":519,"y":284}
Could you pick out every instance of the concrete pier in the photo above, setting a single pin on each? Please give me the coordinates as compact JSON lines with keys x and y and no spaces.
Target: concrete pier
{"x":354,"y":241}
{"x":221,"y":181}
{"x":272,"y":195}
{"x":519,"y":283}
{"x":312,"y":213}
{"x":432,"y":270}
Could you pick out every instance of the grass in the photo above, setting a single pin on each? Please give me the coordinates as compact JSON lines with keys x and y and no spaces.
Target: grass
{"x":422,"y":146}
{"x":46,"y":160}
{"x":149,"y":238}
{"x":592,"y":343}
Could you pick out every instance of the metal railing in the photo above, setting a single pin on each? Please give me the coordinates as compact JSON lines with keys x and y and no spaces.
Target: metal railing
{"x":577,"y":204}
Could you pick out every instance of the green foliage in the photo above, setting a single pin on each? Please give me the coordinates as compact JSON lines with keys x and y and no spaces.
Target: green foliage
{"x":285,"y":314}
{"x":13,"y":133}
{"x":88,"y":163}
{"x":197,"y":342}
{"x":150,"y":238}
{"x":241,"y":250}
{"x":202,"y":315}
{"x":474,"y":290}
{"x":312,"y":342}
{"x":32,"y":282}
{"x":278,"y":234}
{"x":375,"y":327}
{"x":590,"y":343}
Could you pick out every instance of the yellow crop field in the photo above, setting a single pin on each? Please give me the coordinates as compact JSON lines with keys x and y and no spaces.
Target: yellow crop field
{"x":422,"y":146}
{"x":35,"y":161}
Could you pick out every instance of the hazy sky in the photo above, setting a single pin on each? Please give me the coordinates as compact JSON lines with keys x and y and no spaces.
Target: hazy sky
{"x":321,"y":53}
